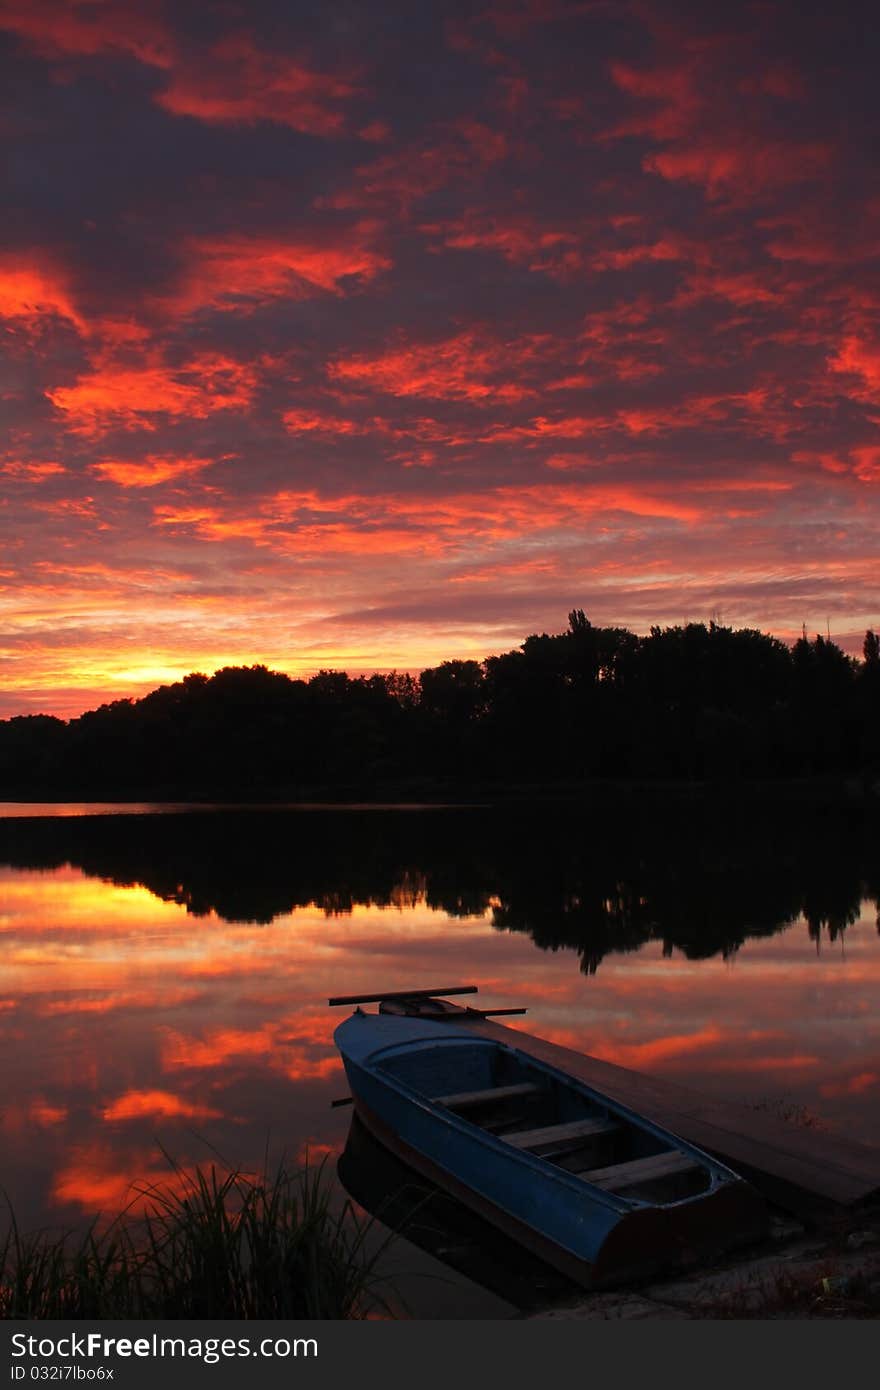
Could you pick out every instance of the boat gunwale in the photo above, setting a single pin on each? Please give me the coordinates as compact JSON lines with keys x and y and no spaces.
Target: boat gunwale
{"x":719,"y":1175}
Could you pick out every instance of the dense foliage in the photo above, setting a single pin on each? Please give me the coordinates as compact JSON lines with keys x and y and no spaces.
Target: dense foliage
{"x":690,"y":702}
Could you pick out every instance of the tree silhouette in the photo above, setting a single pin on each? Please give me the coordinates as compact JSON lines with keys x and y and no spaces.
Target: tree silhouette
{"x":694,"y":702}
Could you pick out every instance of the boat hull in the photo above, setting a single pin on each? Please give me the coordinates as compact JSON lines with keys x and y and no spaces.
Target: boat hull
{"x":593,"y":1237}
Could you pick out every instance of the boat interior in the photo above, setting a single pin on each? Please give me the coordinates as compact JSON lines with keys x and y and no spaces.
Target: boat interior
{"x":540,"y":1111}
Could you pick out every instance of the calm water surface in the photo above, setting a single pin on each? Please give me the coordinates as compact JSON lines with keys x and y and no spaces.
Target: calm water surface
{"x":164,"y":978}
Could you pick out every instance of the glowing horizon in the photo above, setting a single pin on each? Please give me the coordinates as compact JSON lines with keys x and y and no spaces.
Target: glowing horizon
{"x":367,"y":339}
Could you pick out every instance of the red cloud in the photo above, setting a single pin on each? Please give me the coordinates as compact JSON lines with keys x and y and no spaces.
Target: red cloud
{"x":693,"y":107}
{"x":316,"y":422}
{"x":235,"y":83}
{"x":423,"y":428}
{"x":672,"y":88}
{"x":233,"y":271}
{"x":742,"y":165}
{"x":627,"y":342}
{"x":694,"y":412}
{"x":81,"y":29}
{"x":861,"y":462}
{"x":467,"y":367}
{"x":459,"y":151}
{"x":133,"y":396}
{"x":519,"y":240}
{"x":743,"y":288}
{"x":867,"y":467}
{"x":665,"y":249}
{"x":857,"y":358}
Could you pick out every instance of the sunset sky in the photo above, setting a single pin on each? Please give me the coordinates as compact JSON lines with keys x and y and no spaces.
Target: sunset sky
{"x":369,"y":334}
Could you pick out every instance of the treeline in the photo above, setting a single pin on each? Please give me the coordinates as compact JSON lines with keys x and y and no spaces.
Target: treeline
{"x":692,"y":702}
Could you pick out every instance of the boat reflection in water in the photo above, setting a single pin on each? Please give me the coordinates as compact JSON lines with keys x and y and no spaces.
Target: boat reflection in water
{"x":433,"y":1221}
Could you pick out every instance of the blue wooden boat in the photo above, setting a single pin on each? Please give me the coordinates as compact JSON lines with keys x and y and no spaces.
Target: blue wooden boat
{"x":596,"y":1190}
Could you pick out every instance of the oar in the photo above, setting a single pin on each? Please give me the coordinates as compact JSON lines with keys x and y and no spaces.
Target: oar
{"x":400,"y":994}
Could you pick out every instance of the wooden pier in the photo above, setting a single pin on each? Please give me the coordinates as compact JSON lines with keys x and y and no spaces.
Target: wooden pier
{"x":802,"y":1170}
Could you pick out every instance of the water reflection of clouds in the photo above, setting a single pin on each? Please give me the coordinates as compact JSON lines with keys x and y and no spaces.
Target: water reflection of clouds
{"x":125,"y":1020}
{"x":780,"y":1020}
{"x":136,"y":1105}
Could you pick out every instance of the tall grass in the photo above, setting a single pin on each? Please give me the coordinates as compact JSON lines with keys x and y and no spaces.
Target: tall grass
{"x":217,"y":1243}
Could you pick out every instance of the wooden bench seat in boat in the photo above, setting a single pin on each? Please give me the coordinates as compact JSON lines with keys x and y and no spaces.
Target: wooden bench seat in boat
{"x":638,"y":1171}
{"x":553,"y":1134}
{"x":464,"y":1100}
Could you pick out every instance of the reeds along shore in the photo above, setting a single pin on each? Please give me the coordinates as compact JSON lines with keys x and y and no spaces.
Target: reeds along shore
{"x":212,"y":1244}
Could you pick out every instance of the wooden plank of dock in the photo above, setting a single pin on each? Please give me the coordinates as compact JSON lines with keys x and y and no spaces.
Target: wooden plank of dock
{"x":799,"y":1168}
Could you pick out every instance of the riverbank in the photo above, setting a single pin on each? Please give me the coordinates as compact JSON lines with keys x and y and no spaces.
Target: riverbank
{"x":830,"y":1272}
{"x":431,"y":794}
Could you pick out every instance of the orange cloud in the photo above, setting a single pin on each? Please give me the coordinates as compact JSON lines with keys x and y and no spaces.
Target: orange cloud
{"x":31,"y":471}
{"x":134,"y":396}
{"x":149,"y":471}
{"x":307,"y":523}
{"x":304,"y":1054}
{"x":94,"y":1180}
{"x":856,"y":1085}
{"x":33,"y":293}
{"x":137,"y":1105}
{"x":44,"y":1115}
{"x":659,"y":1050}
{"x":222,"y":1045}
{"x":116,"y":1000}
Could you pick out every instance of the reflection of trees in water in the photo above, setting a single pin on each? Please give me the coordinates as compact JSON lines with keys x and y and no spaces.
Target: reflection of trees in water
{"x":254,"y":866}
{"x":698,"y":880}
{"x":666,"y":883}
